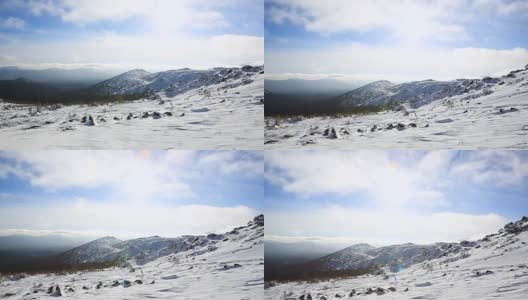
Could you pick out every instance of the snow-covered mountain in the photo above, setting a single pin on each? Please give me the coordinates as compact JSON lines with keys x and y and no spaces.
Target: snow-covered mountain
{"x":186,"y":113}
{"x":219,"y":266}
{"x":416,"y":93}
{"x":173,"y":82}
{"x":494,"y":267}
{"x":430,"y":115}
{"x":362,"y":256}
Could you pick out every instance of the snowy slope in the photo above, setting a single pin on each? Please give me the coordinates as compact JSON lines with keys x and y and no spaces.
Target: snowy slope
{"x":495,"y":267}
{"x":396,"y":256}
{"x":225,"y":115}
{"x":493,"y":114}
{"x":234,"y":270}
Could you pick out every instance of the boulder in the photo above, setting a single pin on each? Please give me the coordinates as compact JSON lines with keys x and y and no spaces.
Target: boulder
{"x":56,"y":292}
{"x":156,"y":115}
{"x":89,"y":121}
{"x":380,"y":291}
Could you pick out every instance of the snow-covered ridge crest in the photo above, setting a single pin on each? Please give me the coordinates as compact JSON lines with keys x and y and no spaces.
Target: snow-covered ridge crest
{"x":396,"y":257}
{"x":144,"y":250}
{"x":172,"y":82}
{"x":418,"y":93}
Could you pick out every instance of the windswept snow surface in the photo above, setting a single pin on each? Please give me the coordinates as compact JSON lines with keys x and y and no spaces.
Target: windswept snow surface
{"x":232,"y":269}
{"x":215,"y":112}
{"x":489,"y":113}
{"x":495,"y":267}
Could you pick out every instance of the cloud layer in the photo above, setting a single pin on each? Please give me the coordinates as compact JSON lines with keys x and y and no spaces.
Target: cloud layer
{"x":395,"y":197}
{"x":127,"y":193}
{"x":156,"y":35}
{"x":396,"y":40}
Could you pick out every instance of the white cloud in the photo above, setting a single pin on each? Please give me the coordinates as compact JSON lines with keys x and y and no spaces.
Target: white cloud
{"x":164,"y":13}
{"x":385,"y":227}
{"x":401,"y":194}
{"x":408,"y":20}
{"x":164,"y":34}
{"x":397,"y":63}
{"x":13,"y":23}
{"x":135,"y":176}
{"x":493,"y":167}
{"x":389,"y":183}
{"x":124,"y":220}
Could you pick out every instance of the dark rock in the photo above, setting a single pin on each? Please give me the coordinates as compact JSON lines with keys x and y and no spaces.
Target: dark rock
{"x":85,"y":287}
{"x":117,"y":119}
{"x":99,"y":285}
{"x":352,"y":293}
{"x":413,"y":125}
{"x":57,"y":292}
{"x":360,"y":130}
{"x":338,"y":296}
{"x":90,"y":121}
{"x":50,"y":290}
{"x":406,"y":290}
{"x":512,"y":109}
{"x":380,"y":291}
{"x":156,"y":115}
{"x":369,"y":291}
{"x":400,"y":126}
{"x":153,"y":282}
{"x":116,"y":283}
{"x":182,"y":114}
{"x":168,"y":114}
{"x":465,"y":111}
{"x":467,"y":244}
{"x":9,"y":294}
{"x":145,"y":115}
{"x":373,"y":128}
{"x":71,"y":290}
{"x":130,"y":116}
{"x":126,"y":283}
{"x":83,"y":119}
{"x":259,"y":220}
{"x":392,"y":289}
{"x":390,"y":126}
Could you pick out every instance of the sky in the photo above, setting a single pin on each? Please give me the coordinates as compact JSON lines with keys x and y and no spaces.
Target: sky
{"x":128,"y":194}
{"x":392,"y":197}
{"x":124,"y":34}
{"x":398,"y":40}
